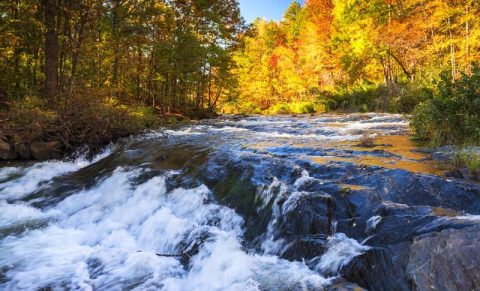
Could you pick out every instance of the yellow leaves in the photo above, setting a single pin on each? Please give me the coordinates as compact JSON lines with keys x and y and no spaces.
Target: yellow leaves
{"x":110,"y":101}
{"x":355,"y":42}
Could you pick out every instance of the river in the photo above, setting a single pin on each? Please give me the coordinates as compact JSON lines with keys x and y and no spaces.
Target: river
{"x":240,"y":203}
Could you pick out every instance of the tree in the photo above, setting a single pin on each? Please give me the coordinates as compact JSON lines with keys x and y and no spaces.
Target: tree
{"x":51,"y":49}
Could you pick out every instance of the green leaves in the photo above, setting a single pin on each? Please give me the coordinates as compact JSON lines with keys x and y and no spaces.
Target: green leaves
{"x":453,"y":115}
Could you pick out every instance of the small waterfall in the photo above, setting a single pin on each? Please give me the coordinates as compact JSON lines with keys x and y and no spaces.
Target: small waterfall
{"x":146,"y":219}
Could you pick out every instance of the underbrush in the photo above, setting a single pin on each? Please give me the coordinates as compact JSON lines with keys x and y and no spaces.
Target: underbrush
{"x":294,"y":107}
{"x":303,"y":107}
{"x":86,"y":120}
{"x":452,"y":115}
{"x":365,"y":97}
{"x":464,"y":164}
{"x":369,"y":97}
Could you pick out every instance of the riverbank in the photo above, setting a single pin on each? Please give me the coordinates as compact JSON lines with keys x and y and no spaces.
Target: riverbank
{"x":36,"y":138}
{"x":34,"y":130}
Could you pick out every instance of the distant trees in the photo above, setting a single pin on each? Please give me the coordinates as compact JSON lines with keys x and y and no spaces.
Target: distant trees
{"x":332,"y":47}
{"x":173,"y":55}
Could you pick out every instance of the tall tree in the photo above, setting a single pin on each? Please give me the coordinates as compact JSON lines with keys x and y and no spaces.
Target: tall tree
{"x":51,"y":49}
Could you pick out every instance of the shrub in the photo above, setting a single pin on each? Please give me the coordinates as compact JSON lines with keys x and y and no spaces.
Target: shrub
{"x":405,"y":98}
{"x":96,"y":121}
{"x":366,"y":142}
{"x":367,"y":97}
{"x":300,"y":107}
{"x":452,"y":116}
{"x":88,"y":119}
{"x":279,"y":108}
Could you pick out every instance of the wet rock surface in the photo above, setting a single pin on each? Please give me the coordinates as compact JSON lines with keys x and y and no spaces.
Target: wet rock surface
{"x":434,"y":256}
{"x":269,"y":203}
{"x":5,"y":151}
{"x":42,"y":151}
{"x":389,"y":210}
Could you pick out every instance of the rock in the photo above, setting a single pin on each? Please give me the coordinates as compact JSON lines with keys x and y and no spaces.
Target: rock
{"x":307,"y":214}
{"x":305,"y":247}
{"x":45,"y":150}
{"x":339,"y":284}
{"x":380,"y":268}
{"x":6,"y":151}
{"x":465,"y":173}
{"x":462,"y":173}
{"x":397,"y":213}
{"x":386,"y":265}
{"x":23,"y":151}
{"x":447,"y":260}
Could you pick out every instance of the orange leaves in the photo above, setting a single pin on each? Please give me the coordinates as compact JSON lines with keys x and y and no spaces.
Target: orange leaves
{"x":273,"y":62}
{"x":320,"y":13}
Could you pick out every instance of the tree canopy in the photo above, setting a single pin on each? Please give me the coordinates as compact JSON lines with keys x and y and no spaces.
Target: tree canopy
{"x":172,"y":54}
{"x":329,"y":49}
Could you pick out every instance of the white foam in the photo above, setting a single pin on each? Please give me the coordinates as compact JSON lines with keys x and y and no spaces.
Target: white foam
{"x":6,"y":172}
{"x":123,"y":227}
{"x":18,"y":214}
{"x":340,"y":251}
{"x":372,"y":222}
{"x":468,"y":217}
{"x":274,"y":192}
{"x":34,"y":176}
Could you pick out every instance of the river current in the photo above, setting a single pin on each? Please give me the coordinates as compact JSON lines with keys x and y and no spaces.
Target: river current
{"x":159,"y":212}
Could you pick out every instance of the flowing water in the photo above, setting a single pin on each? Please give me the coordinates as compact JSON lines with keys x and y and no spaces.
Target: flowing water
{"x":152,"y":212}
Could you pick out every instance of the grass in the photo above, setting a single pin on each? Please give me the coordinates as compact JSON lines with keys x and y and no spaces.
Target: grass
{"x":466,"y":159}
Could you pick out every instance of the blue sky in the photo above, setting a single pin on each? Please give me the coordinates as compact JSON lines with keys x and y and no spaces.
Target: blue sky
{"x":270,"y":9}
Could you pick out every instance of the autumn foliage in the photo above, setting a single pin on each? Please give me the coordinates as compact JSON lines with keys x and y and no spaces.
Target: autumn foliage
{"x":366,"y":55}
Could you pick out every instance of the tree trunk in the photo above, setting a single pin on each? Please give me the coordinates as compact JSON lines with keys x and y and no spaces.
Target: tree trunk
{"x":51,"y":50}
{"x":452,"y":51}
{"x":402,"y":66}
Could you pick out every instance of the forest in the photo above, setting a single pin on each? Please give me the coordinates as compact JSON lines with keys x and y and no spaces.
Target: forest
{"x":86,"y":72}
{"x":240,"y":145}
{"x":362,"y":55}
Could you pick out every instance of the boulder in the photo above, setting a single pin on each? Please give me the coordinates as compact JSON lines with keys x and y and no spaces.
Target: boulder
{"x":23,"y":151}
{"x":447,"y":260}
{"x":6,"y":151}
{"x":46,"y":150}
{"x":307,"y":214}
{"x":380,"y":268}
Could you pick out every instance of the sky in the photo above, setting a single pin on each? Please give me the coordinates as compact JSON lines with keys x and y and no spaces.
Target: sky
{"x":270,"y":9}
